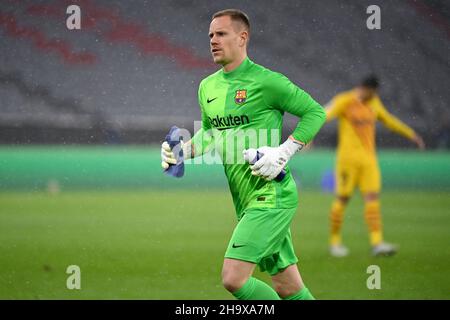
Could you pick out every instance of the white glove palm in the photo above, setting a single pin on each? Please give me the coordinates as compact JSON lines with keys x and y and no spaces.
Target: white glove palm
{"x":274,"y":159}
{"x":167,"y":156}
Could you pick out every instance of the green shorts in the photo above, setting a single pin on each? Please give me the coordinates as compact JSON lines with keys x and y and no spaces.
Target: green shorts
{"x":263,"y":236}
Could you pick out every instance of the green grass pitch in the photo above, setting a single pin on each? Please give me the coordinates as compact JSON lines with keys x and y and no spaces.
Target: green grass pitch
{"x":170,"y":245}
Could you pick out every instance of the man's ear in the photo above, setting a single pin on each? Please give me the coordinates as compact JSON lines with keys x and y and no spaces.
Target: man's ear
{"x":243,"y":38}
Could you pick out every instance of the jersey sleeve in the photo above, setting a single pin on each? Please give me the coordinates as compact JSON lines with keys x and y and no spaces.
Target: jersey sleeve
{"x":391,"y":122}
{"x":335,"y":108}
{"x":282,"y":94}
{"x":202,"y":139}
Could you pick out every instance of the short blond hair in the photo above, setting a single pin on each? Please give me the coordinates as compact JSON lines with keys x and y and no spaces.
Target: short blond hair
{"x":235,"y":15}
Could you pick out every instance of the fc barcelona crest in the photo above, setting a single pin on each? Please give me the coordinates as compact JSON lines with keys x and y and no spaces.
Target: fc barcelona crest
{"x":241,"y":96}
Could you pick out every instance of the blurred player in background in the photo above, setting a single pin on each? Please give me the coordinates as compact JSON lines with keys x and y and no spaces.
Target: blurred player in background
{"x":243,"y":95}
{"x":357,"y":111}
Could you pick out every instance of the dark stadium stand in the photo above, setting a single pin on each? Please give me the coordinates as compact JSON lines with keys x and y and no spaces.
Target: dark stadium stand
{"x":133,"y":69}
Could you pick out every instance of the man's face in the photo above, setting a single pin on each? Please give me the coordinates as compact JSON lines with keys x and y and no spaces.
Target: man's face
{"x":226,"y":39}
{"x":365,"y":93}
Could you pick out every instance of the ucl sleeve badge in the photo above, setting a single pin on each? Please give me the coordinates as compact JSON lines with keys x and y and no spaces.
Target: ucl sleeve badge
{"x":241,"y":96}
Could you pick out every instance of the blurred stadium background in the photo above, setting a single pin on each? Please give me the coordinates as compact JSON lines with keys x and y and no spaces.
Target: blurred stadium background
{"x":82,"y":114}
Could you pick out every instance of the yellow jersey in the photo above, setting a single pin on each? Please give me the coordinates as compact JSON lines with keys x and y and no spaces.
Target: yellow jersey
{"x":357,"y":124}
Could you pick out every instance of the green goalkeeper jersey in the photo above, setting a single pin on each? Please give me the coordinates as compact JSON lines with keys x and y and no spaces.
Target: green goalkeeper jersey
{"x":244,"y":109}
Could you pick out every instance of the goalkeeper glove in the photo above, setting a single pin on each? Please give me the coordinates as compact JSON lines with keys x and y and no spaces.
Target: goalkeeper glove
{"x":252,"y":156}
{"x":274,"y":159}
{"x":172,"y":157}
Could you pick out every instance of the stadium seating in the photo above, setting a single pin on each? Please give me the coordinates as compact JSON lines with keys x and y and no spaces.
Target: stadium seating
{"x":137,"y":66}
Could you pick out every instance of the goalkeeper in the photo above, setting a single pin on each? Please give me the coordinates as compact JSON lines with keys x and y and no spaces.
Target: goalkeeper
{"x":243,"y":95}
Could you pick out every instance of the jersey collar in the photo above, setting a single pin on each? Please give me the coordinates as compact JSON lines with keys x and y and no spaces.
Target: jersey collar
{"x":244,"y":66}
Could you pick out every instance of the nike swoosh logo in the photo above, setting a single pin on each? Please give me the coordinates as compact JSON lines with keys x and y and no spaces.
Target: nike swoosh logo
{"x":237,"y":246}
{"x":208,"y":100}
